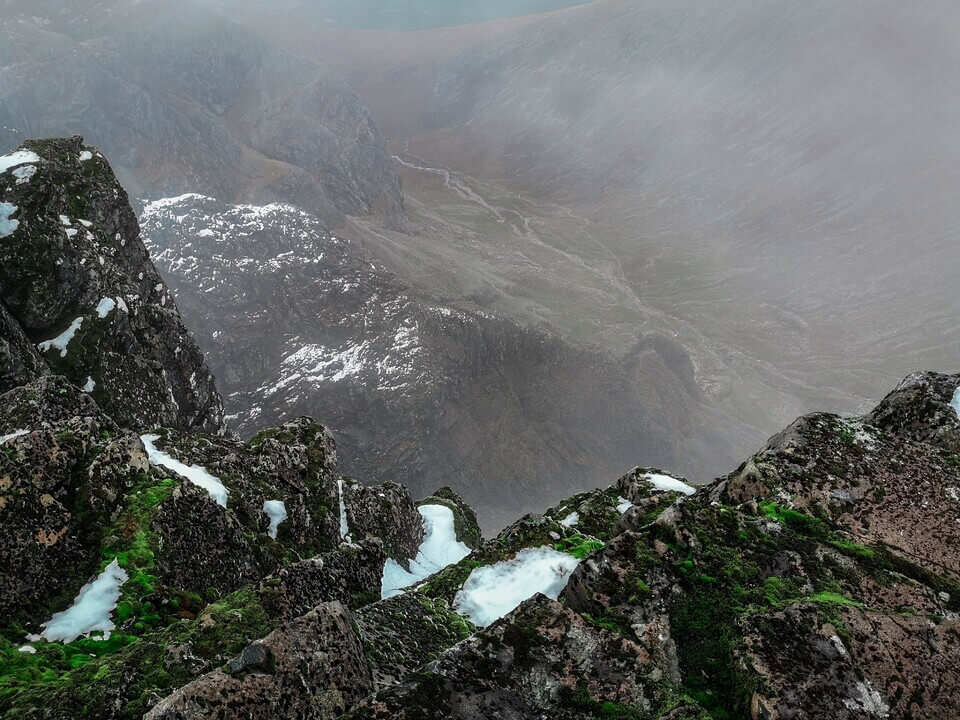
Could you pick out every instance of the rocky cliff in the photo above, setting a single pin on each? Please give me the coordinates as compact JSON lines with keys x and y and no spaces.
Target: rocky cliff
{"x":174,"y":573}
{"x":80,"y":297}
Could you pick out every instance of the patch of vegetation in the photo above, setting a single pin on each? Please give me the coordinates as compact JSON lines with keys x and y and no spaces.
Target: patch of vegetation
{"x":581,"y":700}
{"x":578,"y":545}
{"x":140,"y":669}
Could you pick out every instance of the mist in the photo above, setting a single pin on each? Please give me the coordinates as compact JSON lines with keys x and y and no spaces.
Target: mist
{"x":727,"y":213}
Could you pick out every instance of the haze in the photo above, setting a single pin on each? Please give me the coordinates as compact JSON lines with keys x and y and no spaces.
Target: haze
{"x":750,"y":208}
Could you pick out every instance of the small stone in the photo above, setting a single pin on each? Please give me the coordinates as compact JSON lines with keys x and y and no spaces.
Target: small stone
{"x":944,"y":596}
{"x":254,"y":656}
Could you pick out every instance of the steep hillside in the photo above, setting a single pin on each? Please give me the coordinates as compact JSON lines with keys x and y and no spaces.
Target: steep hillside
{"x":295,"y":320}
{"x":184,"y":99}
{"x":80,"y":298}
{"x":743,"y":176}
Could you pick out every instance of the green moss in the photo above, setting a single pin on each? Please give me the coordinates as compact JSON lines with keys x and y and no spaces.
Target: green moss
{"x":832,"y":598}
{"x":606,"y":622}
{"x":580,"y":699}
{"x":140,"y":669}
{"x":578,"y":545}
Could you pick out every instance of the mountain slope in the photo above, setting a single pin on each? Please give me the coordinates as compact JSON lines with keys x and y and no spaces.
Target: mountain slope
{"x":181,"y":574}
{"x":183,"y":99}
{"x":296,"y":320}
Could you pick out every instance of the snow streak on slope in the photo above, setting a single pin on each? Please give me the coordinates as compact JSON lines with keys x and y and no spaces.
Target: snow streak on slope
{"x":494,"y":590}
{"x":439,"y":548}
{"x":194,"y":473}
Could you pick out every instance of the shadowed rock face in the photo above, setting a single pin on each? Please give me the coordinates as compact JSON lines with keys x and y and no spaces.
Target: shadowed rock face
{"x":184,"y":100}
{"x":76,"y":280}
{"x":317,"y":650}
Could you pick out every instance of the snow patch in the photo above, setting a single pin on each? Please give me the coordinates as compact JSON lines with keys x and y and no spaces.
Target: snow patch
{"x":194,"y":473}
{"x":105,"y":307}
{"x":7,"y":224}
{"x":344,"y":527}
{"x":89,"y":385}
{"x":61,"y":341}
{"x":954,"y":403}
{"x":571,"y":519}
{"x":867,"y":700}
{"x":65,"y":221}
{"x":24,"y":173}
{"x":21,"y":157}
{"x":30,"y":649}
{"x":669,"y":484}
{"x":11,"y":436}
{"x":277,"y":512}
{"x":439,"y":548}
{"x":86,"y":155}
{"x":623,"y":505}
{"x":492,"y":591}
{"x":91,"y":610}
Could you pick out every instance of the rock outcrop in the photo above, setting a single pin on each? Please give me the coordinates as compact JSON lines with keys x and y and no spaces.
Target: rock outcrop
{"x":76,"y":280}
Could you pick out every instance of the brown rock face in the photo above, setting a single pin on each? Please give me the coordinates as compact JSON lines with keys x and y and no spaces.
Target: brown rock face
{"x":47,"y":518}
{"x":863,"y":664}
{"x":310,"y":667}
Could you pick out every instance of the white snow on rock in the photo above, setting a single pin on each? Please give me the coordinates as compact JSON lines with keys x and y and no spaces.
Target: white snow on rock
{"x":7,"y":224}
{"x":61,"y":341}
{"x":277,"y":512}
{"x":669,"y":484}
{"x":439,"y":548}
{"x":623,"y":505}
{"x":89,"y":385}
{"x":105,"y":307}
{"x":344,"y":526}
{"x":571,"y":519}
{"x":24,"y":173}
{"x":21,"y":157}
{"x":492,"y":591}
{"x":65,"y":221}
{"x":86,"y":155}
{"x":11,"y":436}
{"x":30,"y":649}
{"x":955,"y":402}
{"x":194,"y":473}
{"x":91,"y":610}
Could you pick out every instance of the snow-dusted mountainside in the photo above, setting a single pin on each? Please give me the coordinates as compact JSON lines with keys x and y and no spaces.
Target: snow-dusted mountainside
{"x":295,"y":320}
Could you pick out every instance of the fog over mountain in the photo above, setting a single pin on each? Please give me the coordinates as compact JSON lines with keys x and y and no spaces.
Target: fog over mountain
{"x":479,"y":359}
{"x":753,"y":201}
